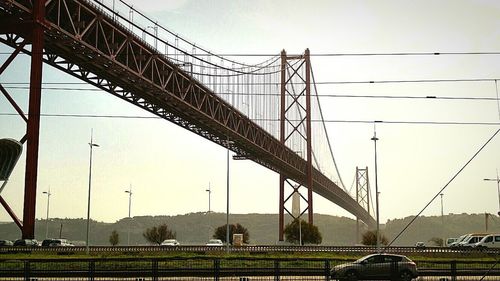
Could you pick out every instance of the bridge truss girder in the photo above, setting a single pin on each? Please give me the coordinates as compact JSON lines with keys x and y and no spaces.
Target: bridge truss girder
{"x":91,"y":46}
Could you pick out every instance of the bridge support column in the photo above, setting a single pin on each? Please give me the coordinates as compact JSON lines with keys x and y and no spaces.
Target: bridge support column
{"x":362,"y":196}
{"x":37,"y":38}
{"x":295,"y":130}
{"x":31,"y":31}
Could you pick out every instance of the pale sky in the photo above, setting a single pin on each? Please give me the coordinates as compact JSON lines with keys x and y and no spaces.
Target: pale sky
{"x":169,"y":168}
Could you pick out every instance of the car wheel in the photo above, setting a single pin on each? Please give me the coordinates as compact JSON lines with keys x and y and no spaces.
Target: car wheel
{"x":351,"y":275}
{"x":405,"y":276}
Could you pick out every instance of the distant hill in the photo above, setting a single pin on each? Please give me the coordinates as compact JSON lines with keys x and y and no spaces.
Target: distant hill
{"x":197,"y":228}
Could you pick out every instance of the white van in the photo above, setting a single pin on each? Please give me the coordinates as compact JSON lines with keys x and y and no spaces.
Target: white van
{"x":470,"y":241}
{"x":459,"y":239}
{"x":489,"y":241}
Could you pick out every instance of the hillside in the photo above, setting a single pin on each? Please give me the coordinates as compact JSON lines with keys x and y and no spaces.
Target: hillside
{"x":196,"y":228}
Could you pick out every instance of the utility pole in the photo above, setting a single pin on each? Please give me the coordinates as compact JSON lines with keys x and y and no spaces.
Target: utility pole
{"x":442,"y":221}
{"x":375,"y":139}
{"x":209,"y":190}
{"x":47,"y":218}
{"x":129,"y":212}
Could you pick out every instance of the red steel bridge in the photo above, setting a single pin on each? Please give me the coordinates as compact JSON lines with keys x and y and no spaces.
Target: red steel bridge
{"x":267,"y":112}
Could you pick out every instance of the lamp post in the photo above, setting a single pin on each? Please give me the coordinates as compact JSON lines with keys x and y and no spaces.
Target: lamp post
{"x":129,"y":209}
{"x":47,"y":218}
{"x":227,"y":199}
{"x":209,"y":190}
{"x":442,"y":221}
{"x":375,"y":139}
{"x":498,"y":189}
{"x":91,"y":145}
{"x":209,"y":193}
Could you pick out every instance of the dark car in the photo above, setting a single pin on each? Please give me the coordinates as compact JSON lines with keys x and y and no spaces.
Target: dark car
{"x":377,"y":267}
{"x":26,"y":243}
{"x":6,"y":243}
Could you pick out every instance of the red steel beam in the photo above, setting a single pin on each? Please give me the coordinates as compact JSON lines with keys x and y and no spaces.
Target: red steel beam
{"x":13,"y":103}
{"x":33,"y":130}
{"x":309,"y":168}
{"x":281,"y":233}
{"x":12,"y":56}
{"x":11,"y":213}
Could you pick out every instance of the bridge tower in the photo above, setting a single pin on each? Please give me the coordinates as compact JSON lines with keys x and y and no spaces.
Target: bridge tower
{"x":362,"y":195}
{"x":29,"y":32}
{"x":295,"y":130}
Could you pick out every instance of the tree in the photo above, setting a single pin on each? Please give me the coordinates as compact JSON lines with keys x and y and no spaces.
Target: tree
{"x":437,"y":241}
{"x":157,"y":234}
{"x":369,"y":238}
{"x":220,"y":232}
{"x":114,"y":238}
{"x":310,"y":233}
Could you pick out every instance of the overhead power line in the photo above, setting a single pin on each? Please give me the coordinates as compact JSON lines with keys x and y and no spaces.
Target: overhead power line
{"x":443,"y":188}
{"x":427,"y":97}
{"x":340,"y":54}
{"x":317,"y":83}
{"x":275,"y":120}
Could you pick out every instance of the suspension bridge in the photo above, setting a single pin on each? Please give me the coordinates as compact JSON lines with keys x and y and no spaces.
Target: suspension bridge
{"x":268,"y":112}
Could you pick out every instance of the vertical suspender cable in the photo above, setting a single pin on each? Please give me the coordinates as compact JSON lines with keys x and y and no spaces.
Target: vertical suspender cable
{"x":326,"y":133}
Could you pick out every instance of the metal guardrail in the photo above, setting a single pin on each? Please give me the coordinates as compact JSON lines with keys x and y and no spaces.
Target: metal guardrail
{"x":213,"y":268}
{"x":256,"y":249}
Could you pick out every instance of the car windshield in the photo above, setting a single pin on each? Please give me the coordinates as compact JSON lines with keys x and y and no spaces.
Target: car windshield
{"x":214,"y":241}
{"x":463,"y":238}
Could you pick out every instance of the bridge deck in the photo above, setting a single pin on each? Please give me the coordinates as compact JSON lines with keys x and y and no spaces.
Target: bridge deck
{"x":86,"y":43}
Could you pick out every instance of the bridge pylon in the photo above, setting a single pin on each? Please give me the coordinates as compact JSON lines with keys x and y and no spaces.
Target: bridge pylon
{"x":295,"y":131}
{"x":362,"y":195}
{"x":20,"y":35}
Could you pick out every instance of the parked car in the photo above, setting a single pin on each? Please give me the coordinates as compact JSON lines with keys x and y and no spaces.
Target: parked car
{"x":471,"y":240}
{"x":6,"y":243}
{"x":26,"y":243}
{"x":420,"y":245}
{"x":214,"y":242}
{"x":450,"y":241}
{"x":459,"y":239}
{"x":170,"y":242}
{"x":489,"y":241}
{"x":56,"y":242}
{"x":377,"y":267}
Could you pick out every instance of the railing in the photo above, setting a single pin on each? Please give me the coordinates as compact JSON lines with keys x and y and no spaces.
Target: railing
{"x":258,"y":249}
{"x":242,"y":268}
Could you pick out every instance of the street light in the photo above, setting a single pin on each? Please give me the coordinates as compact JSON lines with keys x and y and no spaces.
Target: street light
{"x":47,"y":219}
{"x":209,"y":193}
{"x":228,"y":142}
{"x":129,"y":208}
{"x":498,"y":188}
{"x":91,"y":145}
{"x":375,"y":139}
{"x":442,"y":221}
{"x":209,"y":190}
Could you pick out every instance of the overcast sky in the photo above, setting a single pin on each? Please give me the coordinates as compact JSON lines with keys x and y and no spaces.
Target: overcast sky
{"x":169,"y":168}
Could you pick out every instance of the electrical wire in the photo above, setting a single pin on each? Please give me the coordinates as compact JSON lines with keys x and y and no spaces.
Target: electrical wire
{"x":177,"y":37}
{"x":442,"y":189}
{"x":211,"y":54}
{"x":364,"y":82}
{"x":267,"y":94}
{"x":392,"y":122}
